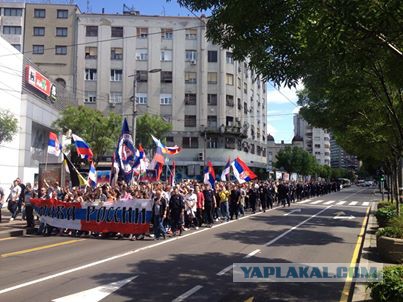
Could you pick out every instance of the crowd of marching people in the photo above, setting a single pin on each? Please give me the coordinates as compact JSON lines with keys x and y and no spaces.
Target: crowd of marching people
{"x":175,"y":209}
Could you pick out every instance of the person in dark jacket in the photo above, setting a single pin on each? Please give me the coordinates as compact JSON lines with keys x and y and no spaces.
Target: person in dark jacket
{"x":160,"y":208}
{"x":176,"y":211}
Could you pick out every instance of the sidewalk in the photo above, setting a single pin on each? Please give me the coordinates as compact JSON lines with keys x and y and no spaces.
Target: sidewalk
{"x":369,"y":255}
{"x":11,"y":228}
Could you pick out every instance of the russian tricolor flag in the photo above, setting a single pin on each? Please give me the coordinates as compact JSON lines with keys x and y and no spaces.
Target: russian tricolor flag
{"x":54,"y":146}
{"x":209,"y":175}
{"x":82,"y":147}
{"x":242,"y":171}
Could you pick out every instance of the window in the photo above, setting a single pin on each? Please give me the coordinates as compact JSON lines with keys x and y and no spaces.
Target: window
{"x":252,"y":148}
{"x":115,"y":98}
{"x":39,"y":13}
{"x":212,"y":143}
{"x":190,"y":77}
{"x":167,"y":33}
{"x":230,"y":143}
{"x":166,"y":55}
{"x":91,"y":31}
{"x":190,"y":142}
{"x":61,"y":31}
{"x":90,"y":98}
{"x":190,"y":55}
{"x":117,"y":31}
{"x":245,"y":108}
{"x":212,"y":121}
{"x":229,"y":100}
{"x":317,"y":145}
{"x":190,"y":120}
{"x":229,"y":58}
{"x":191,"y":34}
{"x":38,"y":49}
{"x":245,"y":87}
{"x":116,"y":53}
{"x":141,"y":98}
{"x":212,"y":56}
{"x":12,"y":11}
{"x":190,"y":98}
{"x":317,"y":153}
{"x":212,"y":77}
{"x":212,"y":99}
{"x":142,"y":54}
{"x":62,"y":14}
{"x":116,"y":75}
{"x":90,"y":74}
{"x":168,"y":119}
{"x":229,"y":121}
{"x":142,"y":32}
{"x":142,"y":76}
{"x":239,"y":83}
{"x":61,"y":50}
{"x":239,"y":103}
{"x":91,"y":52}
{"x":166,"y":76}
{"x":229,"y":80}
{"x":39,"y":31}
{"x":166,"y":99}
{"x":61,"y":81}
{"x":12,"y":30}
{"x":17,"y":46}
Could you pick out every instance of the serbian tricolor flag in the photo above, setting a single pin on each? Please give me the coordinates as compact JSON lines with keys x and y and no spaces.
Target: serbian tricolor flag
{"x":82,"y":147}
{"x":92,"y":176}
{"x":241,"y":171}
{"x":226,"y":171}
{"x":172,"y":175}
{"x":209,"y":175}
{"x":139,"y":156}
{"x":158,"y":163}
{"x":54,"y":146}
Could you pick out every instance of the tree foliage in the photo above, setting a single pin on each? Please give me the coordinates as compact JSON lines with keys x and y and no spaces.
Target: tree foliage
{"x":8,"y":126}
{"x":99,"y":131}
{"x":148,"y":125}
{"x":296,"y":160}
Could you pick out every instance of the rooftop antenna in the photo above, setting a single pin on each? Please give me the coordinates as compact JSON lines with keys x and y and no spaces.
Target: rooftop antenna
{"x":163,"y":10}
{"x":88,"y":6}
{"x":130,"y":10}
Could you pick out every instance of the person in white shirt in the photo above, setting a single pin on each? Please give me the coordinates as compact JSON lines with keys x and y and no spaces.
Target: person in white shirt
{"x":191,"y":208}
{"x":14,"y":197}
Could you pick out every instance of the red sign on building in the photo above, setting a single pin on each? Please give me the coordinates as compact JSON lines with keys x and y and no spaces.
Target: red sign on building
{"x":37,"y":80}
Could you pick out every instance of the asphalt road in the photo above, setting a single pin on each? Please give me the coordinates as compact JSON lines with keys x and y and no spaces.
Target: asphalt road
{"x":193,"y":267}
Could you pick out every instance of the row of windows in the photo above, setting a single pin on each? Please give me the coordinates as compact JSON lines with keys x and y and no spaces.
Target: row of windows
{"x":12,"y":11}
{"x":40,"y":49}
{"x":60,"y":31}
{"x":60,"y":14}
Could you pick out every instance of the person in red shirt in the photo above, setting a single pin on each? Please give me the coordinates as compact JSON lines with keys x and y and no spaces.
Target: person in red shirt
{"x":199,"y":205}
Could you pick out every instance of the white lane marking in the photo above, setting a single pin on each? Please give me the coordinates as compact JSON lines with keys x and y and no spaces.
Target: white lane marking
{"x":353,"y":203}
{"x":293,"y":211}
{"x":296,"y":226}
{"x":225,"y":270}
{"x":188,"y":293}
{"x":365,"y":204}
{"x":341,"y":202}
{"x":95,"y":294}
{"x":305,"y":201}
{"x":318,"y":201}
{"x":252,"y":253}
{"x":118,"y":256}
{"x":329,"y":202}
{"x":344,"y":217}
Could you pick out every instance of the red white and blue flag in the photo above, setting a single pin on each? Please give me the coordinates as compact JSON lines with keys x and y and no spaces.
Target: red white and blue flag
{"x":54,"y":146}
{"x":92,"y":176}
{"x":83,"y":149}
{"x":131,"y":216}
{"x":103,"y":177}
{"x":209,"y":174}
{"x":173,"y":174}
{"x":226,"y":170}
{"x":241,"y":171}
{"x":166,"y":150}
{"x":158,"y":163}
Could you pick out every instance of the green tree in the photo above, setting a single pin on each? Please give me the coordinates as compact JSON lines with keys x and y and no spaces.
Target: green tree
{"x":99,"y":131}
{"x":296,"y":160}
{"x":8,"y":126}
{"x":148,"y":125}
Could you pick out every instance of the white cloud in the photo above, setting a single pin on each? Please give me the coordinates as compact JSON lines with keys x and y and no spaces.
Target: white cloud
{"x":296,"y":109}
{"x":283,"y":95}
{"x":271,"y":130}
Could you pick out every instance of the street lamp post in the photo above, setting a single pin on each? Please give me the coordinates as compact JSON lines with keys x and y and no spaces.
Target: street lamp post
{"x":204,"y":129}
{"x":134,"y":107}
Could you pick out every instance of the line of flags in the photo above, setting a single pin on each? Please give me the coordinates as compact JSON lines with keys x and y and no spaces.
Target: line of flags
{"x":129,"y":162}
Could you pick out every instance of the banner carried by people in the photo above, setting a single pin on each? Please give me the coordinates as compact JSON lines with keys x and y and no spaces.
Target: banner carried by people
{"x":131,"y":216}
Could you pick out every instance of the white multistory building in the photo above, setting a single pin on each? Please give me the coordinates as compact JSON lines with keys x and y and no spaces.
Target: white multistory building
{"x":315,"y":140}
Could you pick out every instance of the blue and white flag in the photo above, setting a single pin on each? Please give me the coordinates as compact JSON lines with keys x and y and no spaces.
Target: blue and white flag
{"x":92,"y":176}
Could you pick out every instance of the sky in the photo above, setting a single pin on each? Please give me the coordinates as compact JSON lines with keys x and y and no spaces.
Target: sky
{"x":280,"y":109}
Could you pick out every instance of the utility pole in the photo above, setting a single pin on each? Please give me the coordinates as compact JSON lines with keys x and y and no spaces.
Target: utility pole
{"x":134,"y":109}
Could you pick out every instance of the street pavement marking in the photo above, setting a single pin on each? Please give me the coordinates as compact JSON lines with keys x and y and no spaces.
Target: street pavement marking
{"x":365,"y":204}
{"x":95,"y":294}
{"x":353,"y":203}
{"x":225,"y":270}
{"x":39,"y":248}
{"x":341,"y":202}
{"x":292,"y":211}
{"x":305,"y":201}
{"x":318,"y":201}
{"x":8,"y":238}
{"x":252,"y":253}
{"x":354,"y":259}
{"x":296,"y":226}
{"x":188,"y":293}
{"x":329,"y":202}
{"x":250,"y":299}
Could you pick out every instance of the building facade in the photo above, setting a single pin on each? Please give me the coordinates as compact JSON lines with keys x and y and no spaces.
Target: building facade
{"x":12,"y":23}
{"x":217,"y":106}
{"x":273,"y":149}
{"x":315,"y":140}
{"x":340,"y":158}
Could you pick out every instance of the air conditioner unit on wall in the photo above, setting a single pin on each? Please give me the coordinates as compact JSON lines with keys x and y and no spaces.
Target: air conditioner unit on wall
{"x":193,"y":62}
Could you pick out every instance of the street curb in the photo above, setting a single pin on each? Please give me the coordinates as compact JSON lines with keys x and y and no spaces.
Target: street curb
{"x":12,"y":233}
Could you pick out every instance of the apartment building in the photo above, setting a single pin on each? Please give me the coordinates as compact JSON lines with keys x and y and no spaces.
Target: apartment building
{"x":340,"y":158}
{"x":217,"y":106}
{"x":274,"y":148}
{"x":316,"y":141}
{"x":12,"y":23}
